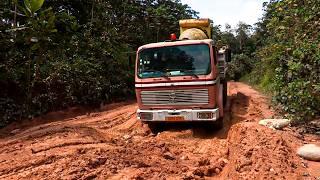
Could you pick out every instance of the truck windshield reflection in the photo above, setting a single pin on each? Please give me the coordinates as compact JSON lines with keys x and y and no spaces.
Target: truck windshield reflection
{"x":184,"y":60}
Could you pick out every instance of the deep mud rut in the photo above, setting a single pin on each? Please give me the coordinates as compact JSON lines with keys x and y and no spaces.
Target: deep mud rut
{"x":112,"y":144}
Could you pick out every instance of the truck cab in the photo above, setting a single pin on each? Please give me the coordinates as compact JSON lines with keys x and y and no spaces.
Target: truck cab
{"x":181,"y":80}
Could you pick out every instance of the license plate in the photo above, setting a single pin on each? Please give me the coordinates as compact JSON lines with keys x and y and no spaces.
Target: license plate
{"x":175,"y":118}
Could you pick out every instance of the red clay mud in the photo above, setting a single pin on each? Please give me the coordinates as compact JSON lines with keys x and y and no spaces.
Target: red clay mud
{"x":113,"y":144}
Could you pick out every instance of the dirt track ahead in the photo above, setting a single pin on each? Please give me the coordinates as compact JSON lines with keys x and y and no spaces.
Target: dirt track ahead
{"x":112,"y":144}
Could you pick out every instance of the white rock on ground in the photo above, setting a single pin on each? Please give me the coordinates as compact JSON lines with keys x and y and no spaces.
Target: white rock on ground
{"x":275,"y":123}
{"x":309,"y":152}
{"x":15,"y":131}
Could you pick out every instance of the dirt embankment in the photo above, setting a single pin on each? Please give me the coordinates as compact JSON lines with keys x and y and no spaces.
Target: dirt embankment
{"x":113,"y":145}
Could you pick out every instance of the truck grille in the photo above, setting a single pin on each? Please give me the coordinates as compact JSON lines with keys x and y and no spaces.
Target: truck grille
{"x":175,"y":97}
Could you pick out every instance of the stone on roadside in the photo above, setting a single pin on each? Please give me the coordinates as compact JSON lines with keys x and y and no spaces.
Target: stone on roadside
{"x":275,"y":123}
{"x":310,"y":152}
{"x":168,"y":156}
{"x":184,"y":158}
{"x":217,"y":170}
{"x":126,"y":137}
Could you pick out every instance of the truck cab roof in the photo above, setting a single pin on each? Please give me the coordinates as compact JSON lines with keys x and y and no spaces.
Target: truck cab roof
{"x":175,"y":43}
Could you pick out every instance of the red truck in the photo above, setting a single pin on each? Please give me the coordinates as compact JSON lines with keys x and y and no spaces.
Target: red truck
{"x":183,"y":79}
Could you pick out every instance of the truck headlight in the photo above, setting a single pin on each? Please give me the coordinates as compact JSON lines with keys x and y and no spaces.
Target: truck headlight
{"x":205,"y":115}
{"x":145,"y":115}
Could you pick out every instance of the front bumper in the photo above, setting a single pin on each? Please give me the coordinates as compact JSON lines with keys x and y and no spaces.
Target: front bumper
{"x":187,"y":114}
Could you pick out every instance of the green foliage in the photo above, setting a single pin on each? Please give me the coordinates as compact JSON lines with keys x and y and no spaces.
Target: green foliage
{"x":242,"y":44}
{"x":290,"y":56}
{"x":33,"y":5}
{"x":64,"y":53}
{"x":281,"y":55}
{"x":241,"y":65}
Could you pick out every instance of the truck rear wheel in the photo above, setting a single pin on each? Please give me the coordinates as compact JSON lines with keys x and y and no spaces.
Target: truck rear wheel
{"x":225,"y":93}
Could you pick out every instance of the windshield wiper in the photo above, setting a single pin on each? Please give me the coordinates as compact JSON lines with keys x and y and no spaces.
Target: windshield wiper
{"x":190,"y":72}
{"x":151,"y":70}
{"x":163,"y":74}
{"x":194,"y":75}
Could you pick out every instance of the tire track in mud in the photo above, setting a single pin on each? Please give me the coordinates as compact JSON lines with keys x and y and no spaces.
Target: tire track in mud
{"x":114,"y":145}
{"x":5,"y":173}
{"x":56,"y":138}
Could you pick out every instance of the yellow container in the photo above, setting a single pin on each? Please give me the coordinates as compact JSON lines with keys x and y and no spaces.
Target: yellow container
{"x":202,"y":24}
{"x":192,"y":23}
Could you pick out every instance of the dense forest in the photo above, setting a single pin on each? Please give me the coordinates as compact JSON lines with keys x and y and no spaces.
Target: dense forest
{"x":281,"y":56}
{"x":62,"y":53}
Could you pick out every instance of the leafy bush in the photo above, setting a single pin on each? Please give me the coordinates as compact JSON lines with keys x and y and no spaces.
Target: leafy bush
{"x":240,"y":65}
{"x":68,"y":53}
{"x":290,"y":59}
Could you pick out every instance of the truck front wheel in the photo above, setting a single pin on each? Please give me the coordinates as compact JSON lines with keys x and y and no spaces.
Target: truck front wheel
{"x":219,"y":123}
{"x":215,"y":125}
{"x":155,"y":127}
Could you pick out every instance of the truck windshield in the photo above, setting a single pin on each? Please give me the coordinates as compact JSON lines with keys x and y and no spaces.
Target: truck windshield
{"x":184,"y":60}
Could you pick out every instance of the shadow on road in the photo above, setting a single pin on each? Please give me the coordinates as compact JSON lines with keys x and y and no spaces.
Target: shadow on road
{"x":236,"y":108}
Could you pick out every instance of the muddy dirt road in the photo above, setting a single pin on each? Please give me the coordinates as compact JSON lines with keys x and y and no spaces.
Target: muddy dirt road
{"x":112,"y":144}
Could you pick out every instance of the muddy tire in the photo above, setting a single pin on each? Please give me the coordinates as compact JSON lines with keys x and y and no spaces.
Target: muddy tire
{"x":219,"y":123}
{"x":216,"y":125}
{"x":155,"y":127}
{"x":225,"y":92}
